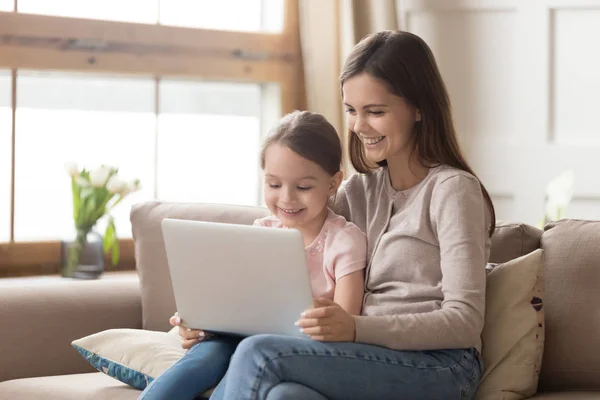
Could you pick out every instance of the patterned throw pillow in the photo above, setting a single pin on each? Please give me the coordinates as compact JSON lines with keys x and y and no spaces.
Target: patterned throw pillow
{"x":513,"y":333}
{"x":133,"y":356}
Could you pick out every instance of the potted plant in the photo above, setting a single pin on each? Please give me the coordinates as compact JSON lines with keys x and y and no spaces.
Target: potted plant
{"x":95,"y":193}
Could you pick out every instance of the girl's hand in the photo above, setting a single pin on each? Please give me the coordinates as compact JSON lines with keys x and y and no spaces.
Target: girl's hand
{"x":327,"y":322}
{"x":190,"y":336}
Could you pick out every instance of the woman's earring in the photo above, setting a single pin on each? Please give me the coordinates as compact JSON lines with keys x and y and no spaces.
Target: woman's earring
{"x":418,"y":115}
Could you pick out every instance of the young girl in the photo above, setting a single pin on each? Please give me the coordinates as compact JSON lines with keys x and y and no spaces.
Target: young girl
{"x":301,"y":161}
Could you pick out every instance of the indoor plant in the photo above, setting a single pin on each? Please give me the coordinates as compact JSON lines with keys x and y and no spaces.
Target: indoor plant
{"x":95,"y":193}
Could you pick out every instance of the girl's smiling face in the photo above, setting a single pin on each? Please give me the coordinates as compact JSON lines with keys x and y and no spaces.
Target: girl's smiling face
{"x":297,"y":190}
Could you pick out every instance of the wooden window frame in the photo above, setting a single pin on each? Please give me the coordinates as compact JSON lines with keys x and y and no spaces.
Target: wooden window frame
{"x":41,"y":42}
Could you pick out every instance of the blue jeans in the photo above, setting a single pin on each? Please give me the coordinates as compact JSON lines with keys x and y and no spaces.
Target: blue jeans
{"x":270,"y":367}
{"x":199,"y":370}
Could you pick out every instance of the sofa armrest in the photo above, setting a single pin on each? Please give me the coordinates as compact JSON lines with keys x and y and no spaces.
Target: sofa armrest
{"x":40,"y":319}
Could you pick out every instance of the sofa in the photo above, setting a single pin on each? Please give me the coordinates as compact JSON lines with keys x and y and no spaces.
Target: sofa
{"x":39,"y":322}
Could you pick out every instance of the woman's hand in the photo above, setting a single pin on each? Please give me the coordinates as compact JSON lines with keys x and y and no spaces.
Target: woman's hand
{"x":327,"y":322}
{"x":190,"y":336}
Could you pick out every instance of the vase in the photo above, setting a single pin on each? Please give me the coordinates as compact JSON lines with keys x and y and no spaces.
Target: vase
{"x":83,"y":256}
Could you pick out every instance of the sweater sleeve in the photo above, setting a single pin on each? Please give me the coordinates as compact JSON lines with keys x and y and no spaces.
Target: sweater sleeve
{"x":340,"y":204}
{"x":350,"y":200}
{"x":458,"y":216}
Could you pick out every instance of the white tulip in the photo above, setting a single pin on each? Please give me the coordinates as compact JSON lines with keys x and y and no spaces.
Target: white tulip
{"x":117,"y":185}
{"x":134,"y":186}
{"x":72,"y":169}
{"x":99,"y":176}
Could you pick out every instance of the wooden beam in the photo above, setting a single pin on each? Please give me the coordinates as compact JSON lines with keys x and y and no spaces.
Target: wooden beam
{"x":149,"y":36}
{"x":206,"y":67}
{"x":69,"y":44}
{"x":46,"y":256}
{"x":293,"y":95}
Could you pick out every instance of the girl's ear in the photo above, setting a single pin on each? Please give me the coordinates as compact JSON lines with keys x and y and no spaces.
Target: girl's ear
{"x":418,"y":116}
{"x":335,"y":182}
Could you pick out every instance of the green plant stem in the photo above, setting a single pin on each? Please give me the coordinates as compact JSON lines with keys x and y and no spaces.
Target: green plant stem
{"x":75,"y":250}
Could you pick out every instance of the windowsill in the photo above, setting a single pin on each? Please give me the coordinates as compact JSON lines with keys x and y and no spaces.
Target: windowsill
{"x":46,"y":279}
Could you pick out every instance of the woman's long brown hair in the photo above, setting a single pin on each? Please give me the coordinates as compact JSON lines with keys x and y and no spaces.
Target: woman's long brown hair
{"x":405,"y":63}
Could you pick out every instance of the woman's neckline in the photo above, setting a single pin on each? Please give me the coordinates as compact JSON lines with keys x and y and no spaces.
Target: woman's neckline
{"x":395,"y":193}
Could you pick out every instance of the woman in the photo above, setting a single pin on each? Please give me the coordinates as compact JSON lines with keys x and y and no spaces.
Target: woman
{"x":428,"y":222}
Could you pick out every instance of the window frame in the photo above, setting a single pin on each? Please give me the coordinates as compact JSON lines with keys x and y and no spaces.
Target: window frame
{"x":41,"y":42}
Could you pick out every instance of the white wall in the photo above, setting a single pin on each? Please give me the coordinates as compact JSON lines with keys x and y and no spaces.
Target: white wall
{"x":524,"y":79}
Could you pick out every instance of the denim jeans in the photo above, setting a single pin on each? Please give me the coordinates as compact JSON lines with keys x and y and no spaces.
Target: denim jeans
{"x":271,"y":367}
{"x":199,"y":370}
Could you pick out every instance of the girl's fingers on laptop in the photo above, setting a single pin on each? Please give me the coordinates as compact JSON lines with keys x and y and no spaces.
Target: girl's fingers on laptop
{"x":191,"y":334}
{"x":188,"y":344}
{"x":175,"y":320}
{"x":191,"y":337}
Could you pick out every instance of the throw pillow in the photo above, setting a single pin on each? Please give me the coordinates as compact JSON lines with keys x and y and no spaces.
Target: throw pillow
{"x":133,"y":356}
{"x":513,"y":333}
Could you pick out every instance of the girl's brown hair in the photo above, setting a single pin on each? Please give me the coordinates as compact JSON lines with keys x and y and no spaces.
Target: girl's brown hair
{"x":309,"y":135}
{"x":405,"y":63}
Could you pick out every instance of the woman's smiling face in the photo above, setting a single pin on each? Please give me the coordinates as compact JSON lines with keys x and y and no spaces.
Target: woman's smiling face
{"x":383,"y":121}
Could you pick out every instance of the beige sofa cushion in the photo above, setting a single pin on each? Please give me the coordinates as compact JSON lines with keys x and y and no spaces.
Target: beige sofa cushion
{"x":572,"y":275}
{"x":512,"y":240}
{"x":40,"y":319}
{"x":158,"y":303}
{"x":91,"y":386}
{"x":132,"y":356}
{"x":513,"y":334}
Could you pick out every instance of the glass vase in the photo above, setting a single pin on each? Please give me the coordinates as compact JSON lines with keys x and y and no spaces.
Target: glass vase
{"x":83,"y":256}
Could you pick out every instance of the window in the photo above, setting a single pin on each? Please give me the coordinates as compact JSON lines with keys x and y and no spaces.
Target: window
{"x":89,"y":120}
{"x":5,"y":153}
{"x":183,"y":110}
{"x":206,"y":149}
{"x":237,"y":15}
{"x":7,"y":5}
{"x":234,"y":15}
{"x":144,"y":11}
{"x":209,"y":138}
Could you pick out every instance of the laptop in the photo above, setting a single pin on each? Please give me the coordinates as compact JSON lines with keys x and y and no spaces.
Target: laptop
{"x":237,"y":279}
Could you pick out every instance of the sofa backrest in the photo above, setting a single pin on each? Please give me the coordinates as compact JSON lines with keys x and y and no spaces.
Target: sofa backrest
{"x":512,"y":240}
{"x":158,"y":302}
{"x":572,"y":306}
